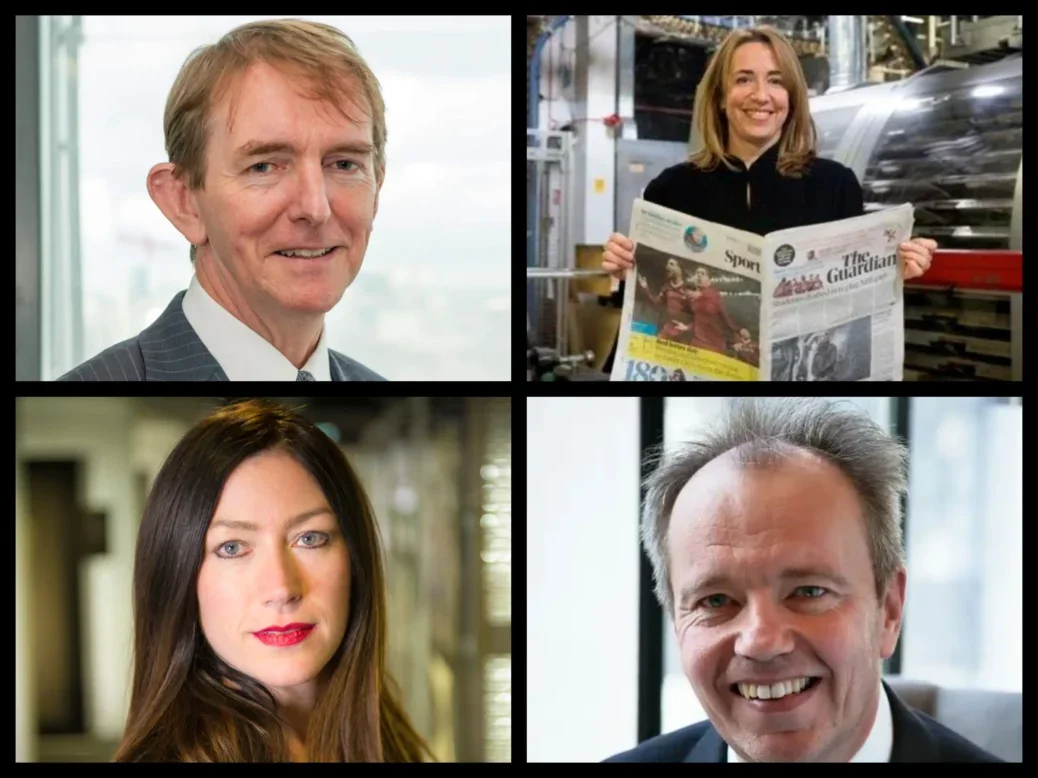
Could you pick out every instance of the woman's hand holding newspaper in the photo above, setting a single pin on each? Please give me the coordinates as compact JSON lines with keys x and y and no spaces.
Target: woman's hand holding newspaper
{"x":618,"y":256}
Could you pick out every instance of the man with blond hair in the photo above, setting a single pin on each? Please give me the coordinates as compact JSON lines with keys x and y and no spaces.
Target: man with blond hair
{"x":276,"y":138}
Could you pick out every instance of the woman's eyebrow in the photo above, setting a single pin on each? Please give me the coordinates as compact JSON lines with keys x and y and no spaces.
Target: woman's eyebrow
{"x":251,"y":527}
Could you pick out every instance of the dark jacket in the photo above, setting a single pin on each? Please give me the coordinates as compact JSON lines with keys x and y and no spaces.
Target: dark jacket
{"x":827,"y":191}
{"x":917,"y":738}
{"x":169,"y":349}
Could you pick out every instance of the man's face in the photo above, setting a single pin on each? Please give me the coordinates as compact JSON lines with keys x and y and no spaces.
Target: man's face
{"x":255,"y":206}
{"x":749,"y":525}
{"x":274,"y":576}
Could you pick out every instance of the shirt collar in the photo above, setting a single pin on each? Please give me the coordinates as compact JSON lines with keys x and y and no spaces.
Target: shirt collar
{"x":877,"y":745}
{"x":243,"y":353}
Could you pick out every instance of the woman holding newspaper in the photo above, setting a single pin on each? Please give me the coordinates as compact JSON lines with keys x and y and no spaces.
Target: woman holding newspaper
{"x":758,"y":169}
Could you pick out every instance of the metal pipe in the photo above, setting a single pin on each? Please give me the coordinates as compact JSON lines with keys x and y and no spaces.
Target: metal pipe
{"x":550,"y":272}
{"x":846,"y":52}
{"x":531,"y":199}
{"x":567,"y":259}
{"x":911,"y":44}
{"x":561,"y":301}
{"x":535,"y":69}
{"x":578,"y":359}
{"x":625,"y":106}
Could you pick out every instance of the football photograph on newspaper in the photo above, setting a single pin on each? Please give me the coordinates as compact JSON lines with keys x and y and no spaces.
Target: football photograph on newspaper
{"x":691,"y":316}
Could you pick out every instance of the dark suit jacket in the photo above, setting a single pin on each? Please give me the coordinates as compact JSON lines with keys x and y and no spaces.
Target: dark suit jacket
{"x":917,"y":738}
{"x":170,"y":350}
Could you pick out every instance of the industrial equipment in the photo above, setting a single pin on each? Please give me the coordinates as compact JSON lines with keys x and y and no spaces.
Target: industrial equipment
{"x":949,"y":140}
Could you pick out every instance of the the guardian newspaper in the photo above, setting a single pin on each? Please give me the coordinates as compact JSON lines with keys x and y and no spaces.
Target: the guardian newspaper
{"x":707,"y":302}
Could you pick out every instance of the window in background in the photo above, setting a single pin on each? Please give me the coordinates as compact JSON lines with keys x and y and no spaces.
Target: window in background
{"x":432,"y":299}
{"x":497,"y":694}
{"x":963,"y":617}
{"x":496,"y":525}
{"x":496,"y":521}
{"x":683,"y":417}
{"x":582,"y":577}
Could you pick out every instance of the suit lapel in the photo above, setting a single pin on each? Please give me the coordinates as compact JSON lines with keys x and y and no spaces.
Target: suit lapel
{"x":172,"y":330}
{"x":913,"y":742}
{"x":216,"y":374}
{"x":337,"y":373}
{"x":709,"y":748}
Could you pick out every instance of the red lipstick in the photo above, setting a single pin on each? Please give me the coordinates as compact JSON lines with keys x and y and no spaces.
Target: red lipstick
{"x":288,"y":635}
{"x":286,"y":627}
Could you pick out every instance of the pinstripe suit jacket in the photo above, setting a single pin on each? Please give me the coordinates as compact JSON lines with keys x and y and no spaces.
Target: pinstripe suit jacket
{"x":170,"y":350}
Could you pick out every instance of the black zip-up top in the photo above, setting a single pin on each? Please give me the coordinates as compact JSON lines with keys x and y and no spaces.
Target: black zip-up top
{"x":759,"y":200}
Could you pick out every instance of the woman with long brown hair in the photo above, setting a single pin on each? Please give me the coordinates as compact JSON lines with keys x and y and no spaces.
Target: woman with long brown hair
{"x":259,"y":603}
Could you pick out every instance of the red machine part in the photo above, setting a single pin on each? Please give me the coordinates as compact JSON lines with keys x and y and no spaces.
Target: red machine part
{"x":1000,"y":271}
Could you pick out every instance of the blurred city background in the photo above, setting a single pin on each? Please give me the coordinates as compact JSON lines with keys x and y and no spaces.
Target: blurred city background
{"x":438,"y":472}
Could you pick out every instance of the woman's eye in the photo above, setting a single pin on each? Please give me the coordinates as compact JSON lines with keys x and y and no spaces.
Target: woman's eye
{"x":321,"y":539}
{"x":772,"y":82}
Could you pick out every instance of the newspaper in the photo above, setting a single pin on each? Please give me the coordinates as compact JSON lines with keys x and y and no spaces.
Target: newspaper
{"x":707,"y":302}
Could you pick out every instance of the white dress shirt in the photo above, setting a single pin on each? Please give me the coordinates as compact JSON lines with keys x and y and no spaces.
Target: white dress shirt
{"x":242,"y":352}
{"x":877,"y":745}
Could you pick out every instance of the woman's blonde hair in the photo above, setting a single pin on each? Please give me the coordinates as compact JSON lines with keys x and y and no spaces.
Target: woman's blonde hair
{"x":798,"y":143}
{"x":321,"y":59}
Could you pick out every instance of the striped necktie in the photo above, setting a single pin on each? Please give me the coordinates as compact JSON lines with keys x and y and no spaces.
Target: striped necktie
{"x":305,"y":376}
